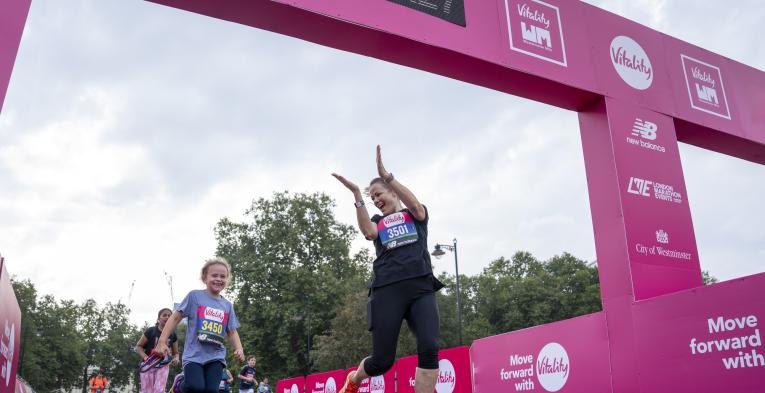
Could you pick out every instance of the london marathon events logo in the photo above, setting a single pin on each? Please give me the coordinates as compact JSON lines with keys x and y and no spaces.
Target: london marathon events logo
{"x":705,"y":87}
{"x":551,"y":367}
{"x":631,"y":62}
{"x":660,"y":191}
{"x":535,"y":29}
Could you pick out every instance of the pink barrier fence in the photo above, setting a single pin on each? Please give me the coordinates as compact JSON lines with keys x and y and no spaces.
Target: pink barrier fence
{"x":10,"y":332}
{"x":291,"y":385}
{"x":380,"y":384}
{"x":453,"y":373}
{"x":326,"y":382}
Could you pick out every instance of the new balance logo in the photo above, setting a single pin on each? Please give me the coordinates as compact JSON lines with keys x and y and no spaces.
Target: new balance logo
{"x":644,"y":129}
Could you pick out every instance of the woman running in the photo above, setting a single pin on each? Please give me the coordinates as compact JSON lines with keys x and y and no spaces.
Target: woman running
{"x":155,"y":379}
{"x":403,"y":286}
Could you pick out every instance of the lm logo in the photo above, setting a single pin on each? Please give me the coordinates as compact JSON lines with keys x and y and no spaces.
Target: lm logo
{"x":639,"y":186}
{"x":707,"y":94}
{"x":536,"y":34}
{"x":644,"y":129}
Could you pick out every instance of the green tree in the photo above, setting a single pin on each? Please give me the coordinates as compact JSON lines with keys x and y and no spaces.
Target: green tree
{"x":51,"y":351}
{"x":292,"y":268}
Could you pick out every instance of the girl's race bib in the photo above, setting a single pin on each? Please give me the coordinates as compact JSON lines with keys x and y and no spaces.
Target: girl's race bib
{"x":396,"y":230}
{"x":211,"y":325}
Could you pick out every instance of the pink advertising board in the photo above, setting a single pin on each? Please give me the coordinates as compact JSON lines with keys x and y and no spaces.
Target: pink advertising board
{"x":10,"y":332}
{"x":379,"y":384}
{"x":291,"y":385}
{"x":659,"y":231}
{"x":13,"y":16}
{"x":326,"y":382}
{"x":453,"y":372}
{"x":565,"y":356}
{"x":704,"y":340}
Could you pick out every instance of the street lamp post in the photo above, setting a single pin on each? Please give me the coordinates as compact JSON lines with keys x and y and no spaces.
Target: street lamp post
{"x":438,"y":253}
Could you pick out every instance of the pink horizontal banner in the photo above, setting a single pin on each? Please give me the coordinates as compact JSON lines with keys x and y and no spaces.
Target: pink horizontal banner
{"x":13,"y":16}
{"x":291,"y":385}
{"x":453,"y":372}
{"x":565,"y":356}
{"x":703,"y":340}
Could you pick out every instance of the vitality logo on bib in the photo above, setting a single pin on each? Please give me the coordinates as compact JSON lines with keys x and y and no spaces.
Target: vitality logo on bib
{"x":211,"y":325}
{"x":396,"y":230}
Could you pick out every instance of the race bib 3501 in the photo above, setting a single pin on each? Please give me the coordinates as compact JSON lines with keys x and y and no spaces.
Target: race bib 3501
{"x":396,"y":230}
{"x":211,"y":325}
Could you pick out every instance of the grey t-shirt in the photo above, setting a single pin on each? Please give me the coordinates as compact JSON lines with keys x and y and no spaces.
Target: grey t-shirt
{"x":209,"y":319}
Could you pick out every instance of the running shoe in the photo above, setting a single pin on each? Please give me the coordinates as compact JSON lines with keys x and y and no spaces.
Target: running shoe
{"x":349,"y":386}
{"x":176,"y":388}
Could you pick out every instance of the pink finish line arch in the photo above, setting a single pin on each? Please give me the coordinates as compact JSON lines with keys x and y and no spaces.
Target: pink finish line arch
{"x":638,"y":93}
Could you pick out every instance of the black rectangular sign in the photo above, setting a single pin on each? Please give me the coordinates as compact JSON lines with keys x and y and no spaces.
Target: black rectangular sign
{"x":448,"y":10}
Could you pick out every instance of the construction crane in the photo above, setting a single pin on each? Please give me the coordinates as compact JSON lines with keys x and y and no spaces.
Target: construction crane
{"x":130,"y":294}
{"x":169,"y":280}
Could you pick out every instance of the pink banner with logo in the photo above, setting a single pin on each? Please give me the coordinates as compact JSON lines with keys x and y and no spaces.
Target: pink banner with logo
{"x":326,"y":382}
{"x":566,"y":356}
{"x":291,"y":385}
{"x":453,"y":372}
{"x":657,"y":219}
{"x":705,"y":340}
{"x":379,"y":384}
{"x":10,"y":332}
{"x":13,"y":16}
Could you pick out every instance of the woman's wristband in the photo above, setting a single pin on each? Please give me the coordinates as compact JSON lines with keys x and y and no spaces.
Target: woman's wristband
{"x":388,"y":178}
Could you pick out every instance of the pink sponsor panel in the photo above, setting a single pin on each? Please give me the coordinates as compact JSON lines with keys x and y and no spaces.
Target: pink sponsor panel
{"x":704,"y":340}
{"x":379,"y":384}
{"x":453,"y":372}
{"x":657,"y":217}
{"x":547,"y":38}
{"x":326,"y":382}
{"x":566,"y":356}
{"x":291,"y":385}
{"x":703,"y":86}
{"x":13,"y":16}
{"x":10,"y":332}
{"x":629,"y":60}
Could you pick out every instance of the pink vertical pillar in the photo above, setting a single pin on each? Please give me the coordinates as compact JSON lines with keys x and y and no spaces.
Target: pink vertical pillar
{"x":13,"y":16}
{"x":644,"y":236}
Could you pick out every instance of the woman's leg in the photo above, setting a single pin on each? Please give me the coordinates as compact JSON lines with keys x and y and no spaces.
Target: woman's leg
{"x":385,"y":311}
{"x":423,"y":319}
{"x":160,"y":379}
{"x":147,"y":381}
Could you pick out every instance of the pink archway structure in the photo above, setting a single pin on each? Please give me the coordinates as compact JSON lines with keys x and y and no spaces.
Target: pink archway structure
{"x":638,"y":92}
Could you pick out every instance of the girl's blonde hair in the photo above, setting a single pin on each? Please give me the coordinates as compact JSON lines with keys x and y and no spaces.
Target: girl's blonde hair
{"x":215,"y":261}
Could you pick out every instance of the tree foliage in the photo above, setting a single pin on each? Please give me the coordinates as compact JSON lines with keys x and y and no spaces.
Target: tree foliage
{"x":61,"y":340}
{"x":292,"y":268}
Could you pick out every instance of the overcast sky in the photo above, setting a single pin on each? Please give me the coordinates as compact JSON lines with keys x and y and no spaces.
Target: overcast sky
{"x":129,"y":129}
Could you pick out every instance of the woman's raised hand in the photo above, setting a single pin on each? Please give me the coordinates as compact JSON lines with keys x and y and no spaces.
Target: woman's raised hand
{"x":347,"y":183}
{"x":380,"y":167}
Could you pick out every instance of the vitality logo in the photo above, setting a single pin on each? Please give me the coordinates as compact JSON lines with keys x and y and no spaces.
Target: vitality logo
{"x":631,"y":62}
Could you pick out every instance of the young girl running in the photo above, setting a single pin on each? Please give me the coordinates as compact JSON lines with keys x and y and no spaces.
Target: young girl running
{"x":155,"y":379}
{"x":404,"y":286}
{"x":211,"y":319}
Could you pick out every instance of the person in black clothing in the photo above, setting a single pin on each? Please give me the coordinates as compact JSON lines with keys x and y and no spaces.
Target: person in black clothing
{"x":403,"y":286}
{"x":247,"y":381}
{"x":154,"y":380}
